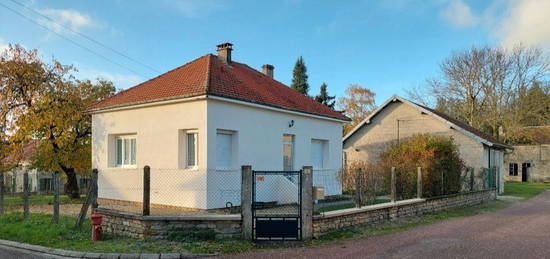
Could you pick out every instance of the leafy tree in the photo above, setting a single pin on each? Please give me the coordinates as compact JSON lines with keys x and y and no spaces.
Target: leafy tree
{"x":357,"y":104}
{"x":46,"y":103}
{"x":324,"y":98}
{"x":299,"y":77}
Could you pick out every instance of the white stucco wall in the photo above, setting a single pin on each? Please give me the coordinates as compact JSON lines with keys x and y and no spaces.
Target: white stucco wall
{"x":259,"y":135}
{"x":157,"y":131}
{"x":257,"y":141}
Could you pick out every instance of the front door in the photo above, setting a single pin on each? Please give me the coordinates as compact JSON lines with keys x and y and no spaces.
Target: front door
{"x":525,"y":171}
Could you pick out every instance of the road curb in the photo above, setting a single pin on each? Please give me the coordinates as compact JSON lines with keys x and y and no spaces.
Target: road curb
{"x":62,"y":253}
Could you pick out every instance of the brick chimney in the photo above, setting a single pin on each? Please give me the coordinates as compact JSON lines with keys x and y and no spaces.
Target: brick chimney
{"x":224,"y":52}
{"x":268,"y":70}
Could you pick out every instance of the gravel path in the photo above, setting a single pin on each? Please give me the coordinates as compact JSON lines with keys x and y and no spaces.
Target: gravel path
{"x":64,"y":209}
{"x":521,"y":230}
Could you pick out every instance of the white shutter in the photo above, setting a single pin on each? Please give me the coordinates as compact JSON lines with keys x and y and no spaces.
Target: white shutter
{"x":317,"y":153}
{"x":224,"y":150}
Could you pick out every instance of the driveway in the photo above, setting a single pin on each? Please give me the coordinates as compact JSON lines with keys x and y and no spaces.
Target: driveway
{"x":521,"y":230}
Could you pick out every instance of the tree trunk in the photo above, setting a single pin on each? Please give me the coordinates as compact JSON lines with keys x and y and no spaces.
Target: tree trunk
{"x":71,"y":187}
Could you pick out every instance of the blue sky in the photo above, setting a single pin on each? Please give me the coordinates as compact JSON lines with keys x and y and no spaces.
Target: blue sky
{"x":388,"y":46}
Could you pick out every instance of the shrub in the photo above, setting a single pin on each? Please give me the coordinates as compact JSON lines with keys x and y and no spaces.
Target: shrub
{"x":439,"y":159}
{"x":362,"y":180}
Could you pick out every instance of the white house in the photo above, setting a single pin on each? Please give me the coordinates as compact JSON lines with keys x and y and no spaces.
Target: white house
{"x":197,"y":124}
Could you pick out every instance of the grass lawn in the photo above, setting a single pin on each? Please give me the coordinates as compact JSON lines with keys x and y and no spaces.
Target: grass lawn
{"x":41,"y":200}
{"x":40,"y":230}
{"x":525,"y":190}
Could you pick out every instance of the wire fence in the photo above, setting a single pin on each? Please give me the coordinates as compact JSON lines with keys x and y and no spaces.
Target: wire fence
{"x":52,"y":201}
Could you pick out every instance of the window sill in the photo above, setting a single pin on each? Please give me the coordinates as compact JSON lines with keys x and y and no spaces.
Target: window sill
{"x":226,"y":169}
{"x":124,"y":167}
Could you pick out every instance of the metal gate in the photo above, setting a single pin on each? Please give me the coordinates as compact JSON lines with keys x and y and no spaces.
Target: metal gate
{"x":276,"y":205}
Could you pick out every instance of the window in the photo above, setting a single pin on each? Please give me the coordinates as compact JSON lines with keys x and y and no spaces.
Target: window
{"x":224,"y":150}
{"x":192,"y":145}
{"x":288,"y":152}
{"x":125,"y":151}
{"x":318,"y":148}
{"x":513,"y":170}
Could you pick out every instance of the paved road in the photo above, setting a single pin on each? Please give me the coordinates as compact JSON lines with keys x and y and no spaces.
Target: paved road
{"x":8,"y":253}
{"x":521,"y":230}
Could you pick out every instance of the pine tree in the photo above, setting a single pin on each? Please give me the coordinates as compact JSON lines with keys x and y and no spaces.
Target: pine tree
{"x":299,"y":77}
{"x":324,"y":98}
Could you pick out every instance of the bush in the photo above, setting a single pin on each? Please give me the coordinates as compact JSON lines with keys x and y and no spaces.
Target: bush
{"x":439,"y":159}
{"x":362,"y":180}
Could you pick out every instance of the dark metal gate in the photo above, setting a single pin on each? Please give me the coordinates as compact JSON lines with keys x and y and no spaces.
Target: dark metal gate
{"x":276,"y":205}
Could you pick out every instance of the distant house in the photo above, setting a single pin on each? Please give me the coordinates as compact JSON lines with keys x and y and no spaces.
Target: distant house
{"x":39,"y":181}
{"x":530,"y":162}
{"x":398,"y":119}
{"x":196,"y":125}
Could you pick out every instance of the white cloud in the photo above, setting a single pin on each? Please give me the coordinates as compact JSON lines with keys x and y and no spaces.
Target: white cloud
{"x":119,"y":80}
{"x":459,"y":14}
{"x":66,"y":17}
{"x":3,"y":46}
{"x":526,"y":22}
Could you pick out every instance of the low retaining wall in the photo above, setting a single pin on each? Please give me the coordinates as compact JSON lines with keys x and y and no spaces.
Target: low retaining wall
{"x":335,"y":220}
{"x":159,"y":227}
{"x":222,"y":226}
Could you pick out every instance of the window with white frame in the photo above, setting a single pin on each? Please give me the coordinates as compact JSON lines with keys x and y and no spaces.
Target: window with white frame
{"x":288,"y":152}
{"x":126,"y":151}
{"x":224,"y":150}
{"x":191,"y":144}
{"x":318,"y":153}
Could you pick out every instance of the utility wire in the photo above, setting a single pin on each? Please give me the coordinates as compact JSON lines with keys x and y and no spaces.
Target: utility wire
{"x":87,"y":37}
{"x":72,"y":41}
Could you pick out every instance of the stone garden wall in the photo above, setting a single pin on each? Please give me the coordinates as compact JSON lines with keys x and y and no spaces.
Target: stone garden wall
{"x":222,"y":226}
{"x":335,"y":220}
{"x":160,"y":227}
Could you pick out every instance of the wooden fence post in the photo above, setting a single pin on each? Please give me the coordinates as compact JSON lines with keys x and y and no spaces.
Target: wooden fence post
{"x":246,"y":201}
{"x":26,"y":195}
{"x":146,"y":191}
{"x":393,"y":190}
{"x":419,"y":183}
{"x":2,"y":193}
{"x":358,"y":188}
{"x":93,"y":186}
{"x":91,"y":198}
{"x":472,"y":172}
{"x":55,"y":218}
{"x":307,"y":202}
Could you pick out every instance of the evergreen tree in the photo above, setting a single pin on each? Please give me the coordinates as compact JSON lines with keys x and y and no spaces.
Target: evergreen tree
{"x":299,"y":77}
{"x":324,"y":98}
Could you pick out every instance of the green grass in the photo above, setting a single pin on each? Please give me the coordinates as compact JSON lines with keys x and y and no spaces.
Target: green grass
{"x":525,"y":190}
{"x":40,"y":230}
{"x":40,"y":200}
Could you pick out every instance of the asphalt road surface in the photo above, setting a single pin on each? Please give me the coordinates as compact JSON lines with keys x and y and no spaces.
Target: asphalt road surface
{"x":9,"y":253}
{"x":521,"y":230}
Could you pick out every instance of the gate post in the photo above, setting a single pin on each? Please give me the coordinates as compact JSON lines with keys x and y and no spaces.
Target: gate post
{"x":246,"y":201}
{"x":307,"y":202}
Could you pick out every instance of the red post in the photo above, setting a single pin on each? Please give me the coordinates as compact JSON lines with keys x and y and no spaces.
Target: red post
{"x":96,"y":226}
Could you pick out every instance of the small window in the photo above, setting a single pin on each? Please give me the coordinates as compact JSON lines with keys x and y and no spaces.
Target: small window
{"x":192,"y":145}
{"x":126,"y":151}
{"x":513,"y":169}
{"x":288,"y":152}
{"x":224,"y":150}
{"x":318,"y":148}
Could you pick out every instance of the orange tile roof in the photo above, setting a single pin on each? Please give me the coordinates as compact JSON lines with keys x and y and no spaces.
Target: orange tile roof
{"x":208,"y":75}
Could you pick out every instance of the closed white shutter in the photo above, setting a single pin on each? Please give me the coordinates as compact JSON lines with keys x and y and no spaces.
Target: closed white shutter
{"x":317,"y":153}
{"x":224,"y":150}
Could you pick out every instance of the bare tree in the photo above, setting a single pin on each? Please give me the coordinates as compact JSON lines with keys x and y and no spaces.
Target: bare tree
{"x":485,"y":87}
